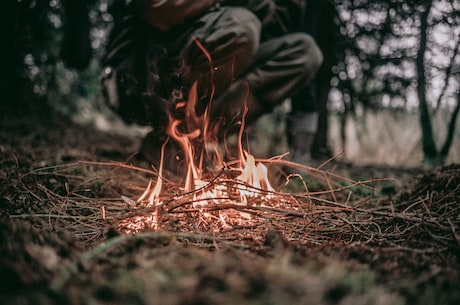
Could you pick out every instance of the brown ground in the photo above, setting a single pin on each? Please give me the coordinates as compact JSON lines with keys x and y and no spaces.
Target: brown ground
{"x":62,"y":215}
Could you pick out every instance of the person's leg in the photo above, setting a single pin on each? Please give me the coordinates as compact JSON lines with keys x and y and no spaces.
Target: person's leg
{"x":281,"y":67}
{"x":211,"y":51}
{"x":301,"y":129}
{"x":302,"y":121}
{"x":231,"y":37}
{"x":302,"y":124}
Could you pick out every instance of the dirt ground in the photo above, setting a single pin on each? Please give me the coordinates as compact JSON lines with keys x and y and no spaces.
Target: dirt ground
{"x":66,"y":198}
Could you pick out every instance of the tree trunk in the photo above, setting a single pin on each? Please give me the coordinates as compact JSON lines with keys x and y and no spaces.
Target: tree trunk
{"x":428,"y":141}
{"x":321,"y":143}
{"x":10,"y":59}
{"x":76,"y":49}
{"x":327,"y":37}
{"x":450,"y":132}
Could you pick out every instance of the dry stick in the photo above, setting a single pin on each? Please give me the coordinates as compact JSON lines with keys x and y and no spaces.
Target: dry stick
{"x":71,"y":165}
{"x":204,"y":187}
{"x":304,"y":185}
{"x":326,"y":175}
{"x":80,"y":163}
{"x":305,"y":168}
{"x":47,"y":216}
{"x":267,"y":209}
{"x":354,"y":225}
{"x":347,"y":187}
{"x":396,"y":247}
{"x":288,"y":179}
{"x":258,"y":210}
{"x":453,"y":210}
{"x":421,"y":200}
{"x":83,"y":220}
{"x":307,"y":195}
{"x":432,"y":220}
{"x":181,"y":204}
{"x":236,"y":185}
{"x":332,"y":203}
{"x":454,"y":232}
{"x":443,"y":240}
{"x":30,"y":192}
{"x":123,"y":165}
{"x":120,"y":165}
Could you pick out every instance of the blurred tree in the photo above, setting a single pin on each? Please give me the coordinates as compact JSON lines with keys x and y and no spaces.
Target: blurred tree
{"x":30,"y":30}
{"x":328,"y":38}
{"x":431,"y":153}
{"x":321,"y":22}
{"x":48,"y":49}
{"x":76,"y":50}
{"x":10,"y":59}
{"x":395,"y":57}
{"x":428,"y":141}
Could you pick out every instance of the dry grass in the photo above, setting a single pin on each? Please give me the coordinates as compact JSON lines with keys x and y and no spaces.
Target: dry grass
{"x":427,"y":222}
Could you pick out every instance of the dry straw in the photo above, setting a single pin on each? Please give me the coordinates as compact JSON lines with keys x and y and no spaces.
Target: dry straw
{"x":89,"y":199}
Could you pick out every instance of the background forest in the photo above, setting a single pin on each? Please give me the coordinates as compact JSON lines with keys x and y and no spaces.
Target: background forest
{"x":390,"y":84}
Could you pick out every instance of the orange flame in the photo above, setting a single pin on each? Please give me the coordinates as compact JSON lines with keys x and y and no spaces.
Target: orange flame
{"x":200,"y":146}
{"x":154,"y":193}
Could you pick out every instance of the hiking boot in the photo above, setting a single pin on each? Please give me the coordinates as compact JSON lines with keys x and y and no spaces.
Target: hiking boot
{"x":301,"y":147}
{"x":301,"y":134}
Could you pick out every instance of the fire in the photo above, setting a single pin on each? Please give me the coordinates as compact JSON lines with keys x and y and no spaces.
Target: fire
{"x":203,"y":155}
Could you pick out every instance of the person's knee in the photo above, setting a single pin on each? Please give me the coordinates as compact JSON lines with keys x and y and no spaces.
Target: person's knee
{"x":232,"y":38}
{"x":244,"y":25}
{"x":312,"y":57}
{"x":246,"y":20}
{"x":315,"y":52}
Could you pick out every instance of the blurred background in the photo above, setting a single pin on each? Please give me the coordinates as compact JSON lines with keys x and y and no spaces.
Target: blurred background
{"x":389,"y":91}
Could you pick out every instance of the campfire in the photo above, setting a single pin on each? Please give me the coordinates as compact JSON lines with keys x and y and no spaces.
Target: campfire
{"x":217,"y":192}
{"x":223,"y":189}
{"x":211,"y":181}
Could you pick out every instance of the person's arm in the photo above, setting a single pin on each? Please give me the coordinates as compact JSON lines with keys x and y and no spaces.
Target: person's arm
{"x":278,"y":17}
{"x":164,"y":14}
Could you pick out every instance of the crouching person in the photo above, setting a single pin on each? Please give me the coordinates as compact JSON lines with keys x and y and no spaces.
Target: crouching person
{"x":236,"y":52}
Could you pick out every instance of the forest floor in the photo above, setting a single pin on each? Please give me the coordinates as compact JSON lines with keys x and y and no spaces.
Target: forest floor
{"x":73,"y":233}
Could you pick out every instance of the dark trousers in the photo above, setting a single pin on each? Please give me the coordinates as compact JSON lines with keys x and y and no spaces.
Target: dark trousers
{"x":305,"y":101}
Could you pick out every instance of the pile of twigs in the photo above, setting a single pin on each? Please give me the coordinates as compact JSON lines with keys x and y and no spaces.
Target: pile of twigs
{"x":427,"y":220}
